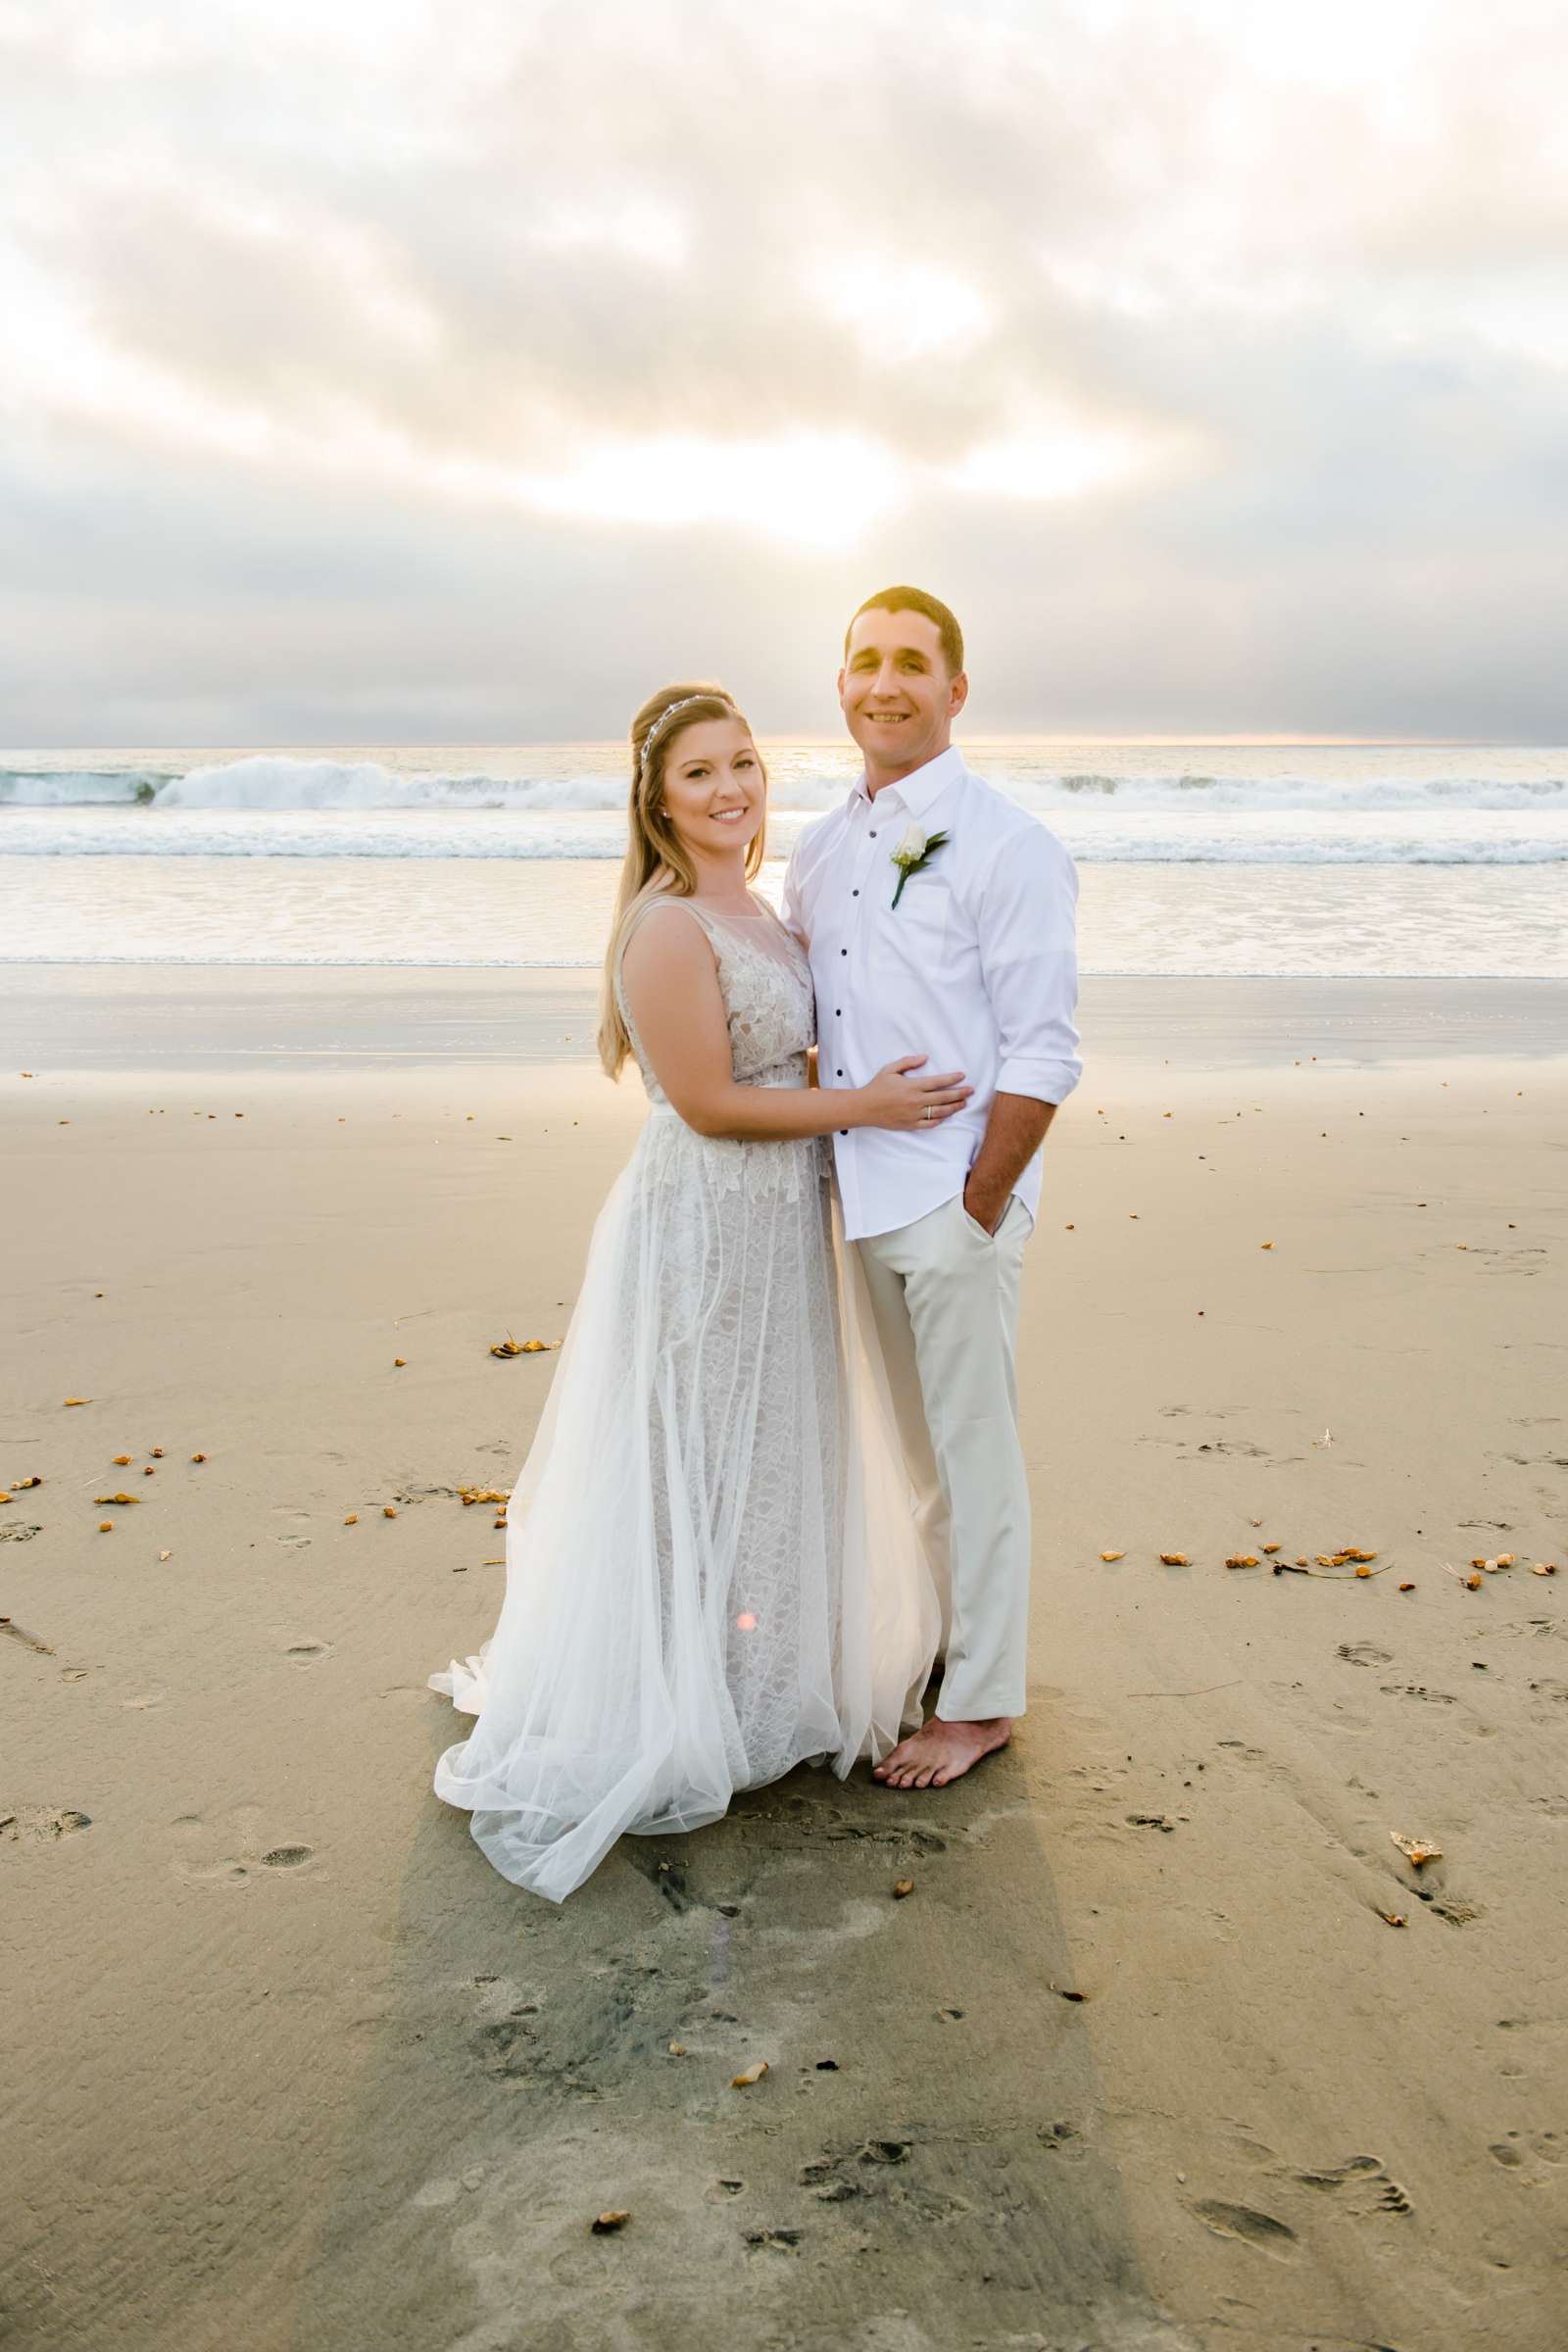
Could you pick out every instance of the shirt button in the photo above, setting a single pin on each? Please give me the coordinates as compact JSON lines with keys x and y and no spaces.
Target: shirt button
{"x":844,"y":951}
{"x":874,"y":837}
{"x":838,"y":1074}
{"x":843,"y":1131}
{"x":855,"y":893}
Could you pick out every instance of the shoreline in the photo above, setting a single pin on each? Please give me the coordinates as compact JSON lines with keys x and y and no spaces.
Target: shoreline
{"x":80,"y":1017}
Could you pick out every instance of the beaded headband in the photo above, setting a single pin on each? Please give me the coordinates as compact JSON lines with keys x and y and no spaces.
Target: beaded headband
{"x":669,"y":713}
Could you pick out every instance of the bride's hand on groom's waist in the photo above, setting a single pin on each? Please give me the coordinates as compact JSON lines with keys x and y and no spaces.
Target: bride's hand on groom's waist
{"x":896,"y":1098}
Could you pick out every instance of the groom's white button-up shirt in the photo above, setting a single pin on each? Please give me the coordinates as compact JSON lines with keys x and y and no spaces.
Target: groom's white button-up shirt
{"x":976,"y":967}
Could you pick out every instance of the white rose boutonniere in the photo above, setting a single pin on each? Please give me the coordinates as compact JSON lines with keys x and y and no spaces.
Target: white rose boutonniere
{"x":916,"y":849}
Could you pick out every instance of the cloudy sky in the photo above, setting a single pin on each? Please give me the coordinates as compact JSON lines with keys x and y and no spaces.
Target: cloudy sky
{"x":380,"y":370}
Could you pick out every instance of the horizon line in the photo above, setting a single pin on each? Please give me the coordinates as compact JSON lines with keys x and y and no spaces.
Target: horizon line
{"x":814,"y":738}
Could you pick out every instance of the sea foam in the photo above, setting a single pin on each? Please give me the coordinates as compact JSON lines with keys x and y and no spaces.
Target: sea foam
{"x":1378,"y":804}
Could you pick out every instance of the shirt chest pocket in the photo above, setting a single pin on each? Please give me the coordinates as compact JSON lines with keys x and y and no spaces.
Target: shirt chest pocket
{"x":916,"y":929}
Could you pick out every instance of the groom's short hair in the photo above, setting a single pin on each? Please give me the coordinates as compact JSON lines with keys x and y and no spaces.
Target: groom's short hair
{"x":916,"y":600}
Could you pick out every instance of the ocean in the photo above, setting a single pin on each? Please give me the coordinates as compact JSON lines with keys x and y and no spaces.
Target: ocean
{"x":1300,"y":859}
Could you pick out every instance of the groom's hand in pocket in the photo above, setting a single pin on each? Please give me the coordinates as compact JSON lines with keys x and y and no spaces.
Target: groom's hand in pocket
{"x":982,"y":1208}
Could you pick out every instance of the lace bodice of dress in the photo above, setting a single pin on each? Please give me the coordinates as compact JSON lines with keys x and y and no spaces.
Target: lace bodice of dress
{"x":765,"y":982}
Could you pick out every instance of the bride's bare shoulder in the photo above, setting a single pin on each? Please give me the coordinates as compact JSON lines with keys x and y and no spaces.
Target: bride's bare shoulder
{"x":658,"y":949}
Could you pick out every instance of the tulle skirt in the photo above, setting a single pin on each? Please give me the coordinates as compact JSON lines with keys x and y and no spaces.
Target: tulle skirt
{"x":712,"y":1569}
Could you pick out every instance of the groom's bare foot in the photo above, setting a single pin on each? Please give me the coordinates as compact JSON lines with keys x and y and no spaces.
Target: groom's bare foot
{"x":940,"y":1753}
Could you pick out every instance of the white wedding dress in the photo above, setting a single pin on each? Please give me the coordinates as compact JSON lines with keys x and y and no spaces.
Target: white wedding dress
{"x":713,"y":1571}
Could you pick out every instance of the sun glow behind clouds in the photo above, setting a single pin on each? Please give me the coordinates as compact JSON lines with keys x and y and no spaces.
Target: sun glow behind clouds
{"x":822,"y":489}
{"x":815,"y":489}
{"x":901,"y":310}
{"x":1060,"y":460}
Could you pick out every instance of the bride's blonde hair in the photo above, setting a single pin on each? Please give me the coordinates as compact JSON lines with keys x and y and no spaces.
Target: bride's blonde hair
{"x":656,"y":858}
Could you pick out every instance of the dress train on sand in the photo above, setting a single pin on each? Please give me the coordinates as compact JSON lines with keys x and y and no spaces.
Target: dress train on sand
{"x":713,"y":1571}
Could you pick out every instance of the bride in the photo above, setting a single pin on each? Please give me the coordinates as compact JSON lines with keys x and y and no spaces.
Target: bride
{"x":712,"y":1573}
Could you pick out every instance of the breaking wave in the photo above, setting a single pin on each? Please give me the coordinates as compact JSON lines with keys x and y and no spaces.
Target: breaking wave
{"x":280,"y":782}
{"x":1371,"y":804}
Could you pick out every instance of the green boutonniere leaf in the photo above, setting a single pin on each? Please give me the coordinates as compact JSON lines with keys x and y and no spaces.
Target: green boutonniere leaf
{"x":909,"y":864}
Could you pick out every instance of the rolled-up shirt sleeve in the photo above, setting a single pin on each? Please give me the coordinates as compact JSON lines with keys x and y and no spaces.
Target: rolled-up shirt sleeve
{"x":1029,"y":959}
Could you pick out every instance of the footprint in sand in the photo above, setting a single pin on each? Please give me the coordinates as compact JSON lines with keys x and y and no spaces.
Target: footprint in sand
{"x":40,"y":1825}
{"x":879,"y":2171}
{"x":307,"y":1653}
{"x":1364,"y":1653}
{"x":1361,"y":2185}
{"x":1458,"y":1914}
{"x":1248,"y":2224}
{"x":1464,"y":1721}
{"x":1361,"y":2188}
{"x":1514,"y":2152}
{"x":202,"y":1861}
{"x":1191,"y":1448}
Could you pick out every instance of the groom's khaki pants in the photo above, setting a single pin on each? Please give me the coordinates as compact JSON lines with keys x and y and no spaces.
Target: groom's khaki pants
{"x":945,"y":1296}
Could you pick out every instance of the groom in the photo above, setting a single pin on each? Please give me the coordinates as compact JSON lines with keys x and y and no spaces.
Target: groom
{"x":939,"y":919}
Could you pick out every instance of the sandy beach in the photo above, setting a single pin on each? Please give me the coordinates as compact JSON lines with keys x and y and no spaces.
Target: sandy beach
{"x":1170,"y":2046}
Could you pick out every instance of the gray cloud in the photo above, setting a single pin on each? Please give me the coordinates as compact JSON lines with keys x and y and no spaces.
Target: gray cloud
{"x":1318,"y":284}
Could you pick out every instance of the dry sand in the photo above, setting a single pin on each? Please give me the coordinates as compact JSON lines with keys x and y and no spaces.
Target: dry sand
{"x":1139,"y":2063}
